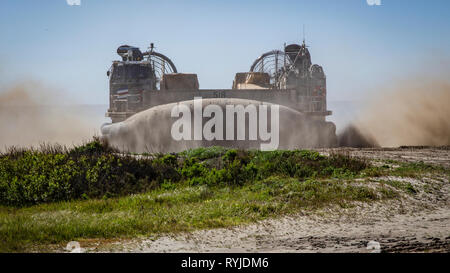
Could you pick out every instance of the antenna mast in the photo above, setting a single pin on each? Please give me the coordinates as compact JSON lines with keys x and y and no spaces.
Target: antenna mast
{"x":303,"y":33}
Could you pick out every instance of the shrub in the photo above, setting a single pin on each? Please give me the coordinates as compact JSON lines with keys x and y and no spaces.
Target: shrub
{"x":204,"y":153}
{"x":88,"y":171}
{"x":95,"y":170}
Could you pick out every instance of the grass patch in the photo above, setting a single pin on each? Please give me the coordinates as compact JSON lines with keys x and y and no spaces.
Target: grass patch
{"x":418,"y":169}
{"x":171,"y":210}
{"x":405,"y":169}
{"x":404,"y":186}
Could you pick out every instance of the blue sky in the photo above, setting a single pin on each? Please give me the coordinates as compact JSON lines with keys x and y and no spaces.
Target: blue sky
{"x":360,"y":46}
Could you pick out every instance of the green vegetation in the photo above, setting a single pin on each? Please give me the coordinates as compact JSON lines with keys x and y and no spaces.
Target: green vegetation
{"x":405,"y":169}
{"x":95,"y":170}
{"x":51,"y":174}
{"x":405,"y":186}
{"x":54,"y":195}
{"x":417,"y":169}
{"x":171,"y":210}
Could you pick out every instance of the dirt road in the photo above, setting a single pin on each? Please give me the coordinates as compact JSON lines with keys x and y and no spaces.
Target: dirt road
{"x":438,"y":156}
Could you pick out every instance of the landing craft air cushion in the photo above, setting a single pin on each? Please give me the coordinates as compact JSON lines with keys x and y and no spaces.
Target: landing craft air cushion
{"x":149,"y":82}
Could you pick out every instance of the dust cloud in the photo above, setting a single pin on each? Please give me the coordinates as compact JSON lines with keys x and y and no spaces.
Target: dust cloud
{"x":32,"y":113}
{"x":150,"y":130}
{"x":411,"y":112}
{"x":351,"y":136}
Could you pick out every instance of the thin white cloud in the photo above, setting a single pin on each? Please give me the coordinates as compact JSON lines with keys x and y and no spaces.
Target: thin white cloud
{"x":73,"y":2}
